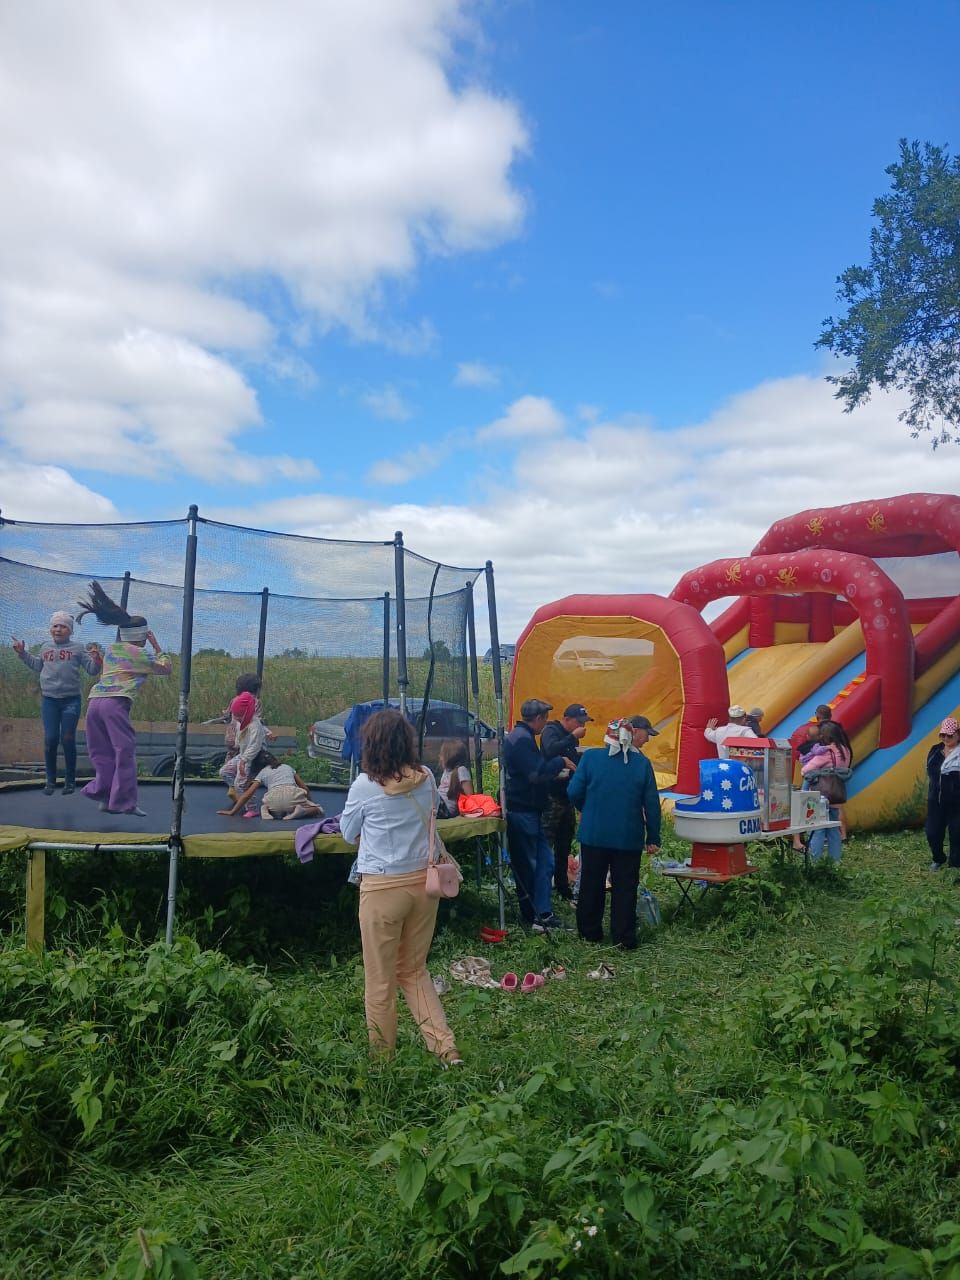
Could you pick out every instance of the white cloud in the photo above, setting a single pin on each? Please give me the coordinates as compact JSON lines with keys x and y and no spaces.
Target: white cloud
{"x":473,"y":373}
{"x":48,"y":494}
{"x":629,"y":509}
{"x":157,"y":160}
{"x":530,"y":416}
{"x":409,"y":465}
{"x":388,"y":403}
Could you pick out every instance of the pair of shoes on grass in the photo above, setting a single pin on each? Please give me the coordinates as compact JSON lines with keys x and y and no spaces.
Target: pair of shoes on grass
{"x":531,"y":982}
{"x":603,"y":972}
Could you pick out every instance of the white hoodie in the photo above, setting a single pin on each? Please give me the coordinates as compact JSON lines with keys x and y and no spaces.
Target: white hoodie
{"x":391,"y":822}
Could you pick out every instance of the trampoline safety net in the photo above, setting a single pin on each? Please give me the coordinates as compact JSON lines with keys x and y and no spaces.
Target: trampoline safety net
{"x":318,"y":616}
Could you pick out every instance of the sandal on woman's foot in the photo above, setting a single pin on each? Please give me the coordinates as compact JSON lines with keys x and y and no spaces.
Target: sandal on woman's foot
{"x":602,"y":971}
{"x":531,"y":981}
{"x":448,"y":1060}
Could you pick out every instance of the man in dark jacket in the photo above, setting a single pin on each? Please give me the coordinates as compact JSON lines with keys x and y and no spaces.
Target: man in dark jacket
{"x":562,"y":738}
{"x":616,"y":792}
{"x":528,"y":777}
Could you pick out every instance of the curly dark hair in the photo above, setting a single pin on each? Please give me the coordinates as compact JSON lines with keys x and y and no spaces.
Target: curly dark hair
{"x":249,"y":682}
{"x":389,"y":746}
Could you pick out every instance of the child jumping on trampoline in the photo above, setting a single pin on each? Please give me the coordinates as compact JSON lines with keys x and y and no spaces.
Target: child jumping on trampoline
{"x":59,"y":665}
{"x":287,"y":795}
{"x":111,"y":739}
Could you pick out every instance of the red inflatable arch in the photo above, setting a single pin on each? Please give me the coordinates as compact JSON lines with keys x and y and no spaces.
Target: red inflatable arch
{"x":678,"y":680}
{"x":872,"y":594}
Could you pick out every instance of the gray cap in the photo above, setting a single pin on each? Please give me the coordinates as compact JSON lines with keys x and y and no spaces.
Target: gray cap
{"x":534,"y":707}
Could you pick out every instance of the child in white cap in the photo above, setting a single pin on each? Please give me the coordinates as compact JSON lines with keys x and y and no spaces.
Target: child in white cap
{"x":59,"y":663}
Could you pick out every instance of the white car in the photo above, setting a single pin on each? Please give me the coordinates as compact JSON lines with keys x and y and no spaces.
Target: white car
{"x":585,"y":660}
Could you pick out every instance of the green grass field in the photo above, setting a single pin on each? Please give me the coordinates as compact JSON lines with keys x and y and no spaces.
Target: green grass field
{"x":769,"y":1089}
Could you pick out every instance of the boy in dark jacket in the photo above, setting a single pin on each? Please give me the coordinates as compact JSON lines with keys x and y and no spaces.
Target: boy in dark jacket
{"x":562,"y":738}
{"x":528,"y":777}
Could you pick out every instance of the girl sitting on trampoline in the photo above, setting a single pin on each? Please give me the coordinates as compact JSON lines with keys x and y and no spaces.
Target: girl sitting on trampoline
{"x":111,"y":739}
{"x":59,"y":665}
{"x":287,"y":795}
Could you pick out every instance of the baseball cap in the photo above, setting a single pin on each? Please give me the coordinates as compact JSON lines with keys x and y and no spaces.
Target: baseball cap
{"x":736,"y":712}
{"x":577,"y":711}
{"x":757,"y":713}
{"x":641,"y":722}
{"x":534,"y":707}
{"x":950,"y":726}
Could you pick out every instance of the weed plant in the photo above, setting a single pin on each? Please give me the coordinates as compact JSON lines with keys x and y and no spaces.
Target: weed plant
{"x":769,"y":1087}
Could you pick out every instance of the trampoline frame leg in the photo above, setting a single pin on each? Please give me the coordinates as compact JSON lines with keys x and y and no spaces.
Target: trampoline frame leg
{"x":172,"y":889}
{"x":36,"y":898}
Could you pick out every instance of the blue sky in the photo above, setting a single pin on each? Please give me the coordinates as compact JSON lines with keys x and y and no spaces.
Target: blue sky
{"x":533,"y":281}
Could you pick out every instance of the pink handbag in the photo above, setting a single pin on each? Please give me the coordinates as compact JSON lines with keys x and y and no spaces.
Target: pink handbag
{"x":443,"y":872}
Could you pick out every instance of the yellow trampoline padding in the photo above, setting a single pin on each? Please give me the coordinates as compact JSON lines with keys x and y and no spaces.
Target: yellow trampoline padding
{"x":780,"y":676}
{"x":240,"y":845}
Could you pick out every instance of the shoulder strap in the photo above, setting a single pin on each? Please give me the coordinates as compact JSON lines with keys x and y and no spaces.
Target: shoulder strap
{"x":430,"y":823}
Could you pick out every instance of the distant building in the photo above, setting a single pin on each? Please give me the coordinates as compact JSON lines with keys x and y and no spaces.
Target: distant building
{"x":507,"y":652}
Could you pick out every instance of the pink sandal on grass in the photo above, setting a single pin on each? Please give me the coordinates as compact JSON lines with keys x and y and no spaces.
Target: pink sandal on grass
{"x":509,"y":982}
{"x":531,"y":981}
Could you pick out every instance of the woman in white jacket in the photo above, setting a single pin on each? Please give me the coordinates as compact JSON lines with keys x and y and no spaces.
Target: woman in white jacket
{"x":388,"y":811}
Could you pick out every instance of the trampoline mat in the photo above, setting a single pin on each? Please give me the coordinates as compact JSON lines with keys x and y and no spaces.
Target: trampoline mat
{"x":26,"y":815}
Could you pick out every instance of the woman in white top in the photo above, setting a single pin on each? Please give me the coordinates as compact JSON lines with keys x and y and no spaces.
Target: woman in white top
{"x":388,"y":810}
{"x":455,"y":780}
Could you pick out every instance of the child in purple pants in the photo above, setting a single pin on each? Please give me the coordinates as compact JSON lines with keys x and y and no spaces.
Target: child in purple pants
{"x":111,"y":739}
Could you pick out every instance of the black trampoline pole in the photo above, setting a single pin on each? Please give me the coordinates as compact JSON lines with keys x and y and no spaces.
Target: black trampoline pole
{"x":183,"y":716}
{"x":262,"y":638}
{"x":386,"y":648}
{"x":124,"y":597}
{"x":402,"y":681}
{"x":498,"y":693}
{"x":474,"y":689}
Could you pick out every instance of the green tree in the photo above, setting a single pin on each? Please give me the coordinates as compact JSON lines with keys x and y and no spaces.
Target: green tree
{"x":902,"y":325}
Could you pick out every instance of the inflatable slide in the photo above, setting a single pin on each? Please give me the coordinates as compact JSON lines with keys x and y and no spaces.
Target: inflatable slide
{"x":856,"y":607}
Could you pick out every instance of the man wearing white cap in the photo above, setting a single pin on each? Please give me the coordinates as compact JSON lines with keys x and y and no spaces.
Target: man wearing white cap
{"x":736,"y":727}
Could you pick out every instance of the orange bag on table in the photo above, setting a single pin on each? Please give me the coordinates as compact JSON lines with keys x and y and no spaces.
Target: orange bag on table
{"x":479,"y":806}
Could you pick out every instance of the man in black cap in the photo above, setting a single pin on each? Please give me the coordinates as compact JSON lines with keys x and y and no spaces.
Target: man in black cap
{"x":562,"y":738}
{"x":528,"y":776}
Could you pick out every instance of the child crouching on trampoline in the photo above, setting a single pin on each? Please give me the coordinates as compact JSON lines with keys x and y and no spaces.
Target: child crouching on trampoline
{"x":111,"y":739}
{"x":245,"y":735}
{"x":287,"y":795}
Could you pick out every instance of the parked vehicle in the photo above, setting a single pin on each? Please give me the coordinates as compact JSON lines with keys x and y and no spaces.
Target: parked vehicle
{"x":444,"y":720}
{"x":585,"y":660}
{"x":507,"y":654}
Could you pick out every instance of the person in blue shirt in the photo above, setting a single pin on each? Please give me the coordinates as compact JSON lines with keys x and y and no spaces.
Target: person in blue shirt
{"x":616,"y":792}
{"x":527,"y":791}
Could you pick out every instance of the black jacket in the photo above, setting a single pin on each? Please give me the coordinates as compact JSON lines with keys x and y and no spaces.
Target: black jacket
{"x":528,"y":774}
{"x":943,"y":791}
{"x":555,"y":743}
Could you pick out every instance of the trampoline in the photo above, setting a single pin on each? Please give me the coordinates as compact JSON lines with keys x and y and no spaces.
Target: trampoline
{"x":36,"y":822}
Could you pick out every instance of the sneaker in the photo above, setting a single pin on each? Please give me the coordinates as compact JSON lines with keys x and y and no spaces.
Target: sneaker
{"x":549,"y":922}
{"x":49,"y":789}
{"x":68,"y":788}
{"x":937,"y":866}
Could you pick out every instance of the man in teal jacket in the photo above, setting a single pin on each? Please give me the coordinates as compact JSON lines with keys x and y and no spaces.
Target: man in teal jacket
{"x":616,"y":793}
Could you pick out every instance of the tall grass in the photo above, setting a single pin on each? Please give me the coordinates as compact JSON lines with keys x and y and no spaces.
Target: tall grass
{"x":767,"y":1088}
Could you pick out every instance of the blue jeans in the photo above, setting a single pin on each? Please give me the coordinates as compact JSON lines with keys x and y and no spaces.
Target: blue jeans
{"x":60,"y":716}
{"x":832,"y":834}
{"x":532,"y":860}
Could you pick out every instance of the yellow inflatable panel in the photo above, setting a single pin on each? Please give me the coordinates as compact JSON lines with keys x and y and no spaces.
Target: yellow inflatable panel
{"x":779,"y":677}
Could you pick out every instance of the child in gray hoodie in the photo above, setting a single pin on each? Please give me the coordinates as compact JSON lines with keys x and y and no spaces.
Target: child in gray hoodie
{"x":59,"y":664}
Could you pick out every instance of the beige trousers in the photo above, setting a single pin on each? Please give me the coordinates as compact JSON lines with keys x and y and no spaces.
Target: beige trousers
{"x":397,"y":920}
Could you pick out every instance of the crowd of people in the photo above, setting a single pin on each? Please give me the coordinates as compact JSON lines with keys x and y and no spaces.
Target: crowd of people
{"x":606,"y":797}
